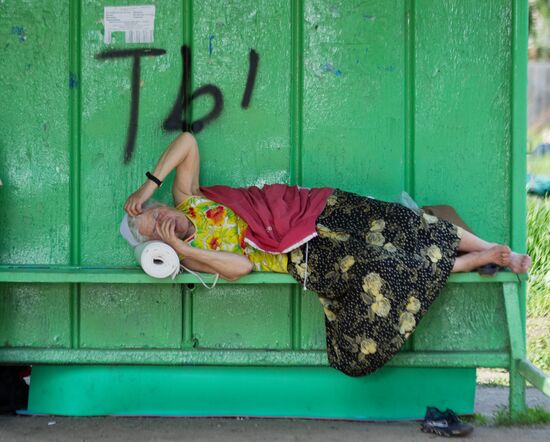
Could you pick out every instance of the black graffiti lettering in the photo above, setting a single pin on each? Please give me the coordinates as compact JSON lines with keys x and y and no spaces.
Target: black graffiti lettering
{"x":174,"y":121}
{"x":214,"y":91}
{"x":253,"y":60}
{"x":178,"y":118}
{"x":136,"y":54}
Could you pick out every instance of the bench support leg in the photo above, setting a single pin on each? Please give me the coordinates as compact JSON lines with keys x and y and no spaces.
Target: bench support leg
{"x":516,"y":398}
{"x":517,"y":348}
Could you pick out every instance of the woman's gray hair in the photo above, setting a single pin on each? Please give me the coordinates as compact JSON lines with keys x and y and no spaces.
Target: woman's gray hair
{"x":133,"y":221}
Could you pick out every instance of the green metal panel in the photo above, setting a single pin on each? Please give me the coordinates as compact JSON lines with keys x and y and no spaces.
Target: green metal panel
{"x":34,"y":316}
{"x":465,"y":317}
{"x":311,"y":321}
{"x":243,"y":146}
{"x":106,"y":88}
{"x":246,"y":391}
{"x":462,"y":111}
{"x":353,"y":98}
{"x":243,"y":317}
{"x":34,"y":158}
{"x":375,"y":97}
{"x":119,"y":316}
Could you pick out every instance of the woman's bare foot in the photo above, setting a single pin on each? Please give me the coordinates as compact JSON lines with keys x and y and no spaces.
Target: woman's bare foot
{"x":499,"y":254}
{"x":519,"y":263}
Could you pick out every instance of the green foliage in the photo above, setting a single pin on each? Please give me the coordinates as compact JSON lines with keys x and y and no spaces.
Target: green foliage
{"x":538,"y":351}
{"x":539,"y":7}
{"x":538,"y":248}
{"x":538,"y":289}
{"x":475,"y":419}
{"x":530,"y":416}
{"x":539,"y":22}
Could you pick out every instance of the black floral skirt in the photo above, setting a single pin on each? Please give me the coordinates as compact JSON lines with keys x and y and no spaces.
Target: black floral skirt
{"x":376,"y":267}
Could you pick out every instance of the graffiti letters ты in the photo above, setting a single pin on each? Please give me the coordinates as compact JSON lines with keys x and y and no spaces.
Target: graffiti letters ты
{"x":176,"y":118}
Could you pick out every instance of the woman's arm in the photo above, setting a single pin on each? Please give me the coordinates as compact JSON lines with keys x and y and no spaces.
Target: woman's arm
{"x":183,"y":155}
{"x":230,"y":266}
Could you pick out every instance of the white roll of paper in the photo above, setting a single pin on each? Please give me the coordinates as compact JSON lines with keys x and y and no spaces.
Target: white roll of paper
{"x":157,"y":259}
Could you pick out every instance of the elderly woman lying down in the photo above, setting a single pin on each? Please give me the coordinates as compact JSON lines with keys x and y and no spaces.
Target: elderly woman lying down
{"x":376,"y":266}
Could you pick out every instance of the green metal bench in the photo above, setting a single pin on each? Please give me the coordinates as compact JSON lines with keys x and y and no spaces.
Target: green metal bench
{"x":512,"y":357}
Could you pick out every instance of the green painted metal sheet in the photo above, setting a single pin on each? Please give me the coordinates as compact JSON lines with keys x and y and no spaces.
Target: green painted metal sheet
{"x":462,"y":114}
{"x":466,"y":317}
{"x":34,"y":127}
{"x":248,"y":391}
{"x":118,"y":316}
{"x":375,"y":97}
{"x":32,"y":316}
{"x":353,"y":100}
{"x":243,"y":317}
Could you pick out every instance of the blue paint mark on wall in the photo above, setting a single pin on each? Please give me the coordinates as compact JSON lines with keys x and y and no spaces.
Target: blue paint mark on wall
{"x":330,"y":68}
{"x":210,"y":38}
{"x":73,"y":81}
{"x":20,"y":32}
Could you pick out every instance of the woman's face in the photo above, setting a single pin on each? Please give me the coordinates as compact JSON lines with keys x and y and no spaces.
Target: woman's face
{"x":149,"y":219}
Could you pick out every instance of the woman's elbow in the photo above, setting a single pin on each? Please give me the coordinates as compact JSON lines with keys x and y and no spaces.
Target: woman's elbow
{"x":243,"y":270}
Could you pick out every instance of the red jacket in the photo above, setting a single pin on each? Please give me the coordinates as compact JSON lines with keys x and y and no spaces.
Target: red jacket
{"x":279,"y":217}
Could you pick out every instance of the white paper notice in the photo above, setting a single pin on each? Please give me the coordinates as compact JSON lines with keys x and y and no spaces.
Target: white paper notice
{"x":137,"y":23}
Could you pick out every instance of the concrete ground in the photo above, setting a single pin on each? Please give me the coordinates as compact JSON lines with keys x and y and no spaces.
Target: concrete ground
{"x":54,"y":428}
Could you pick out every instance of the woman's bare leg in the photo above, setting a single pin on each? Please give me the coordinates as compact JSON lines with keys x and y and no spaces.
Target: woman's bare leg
{"x":471,"y":243}
{"x":483,"y":252}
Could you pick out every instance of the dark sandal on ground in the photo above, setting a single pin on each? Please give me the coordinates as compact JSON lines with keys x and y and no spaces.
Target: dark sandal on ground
{"x":444,"y":423}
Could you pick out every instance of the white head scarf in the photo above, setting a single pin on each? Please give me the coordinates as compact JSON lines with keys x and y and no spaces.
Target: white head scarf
{"x":127,"y":233}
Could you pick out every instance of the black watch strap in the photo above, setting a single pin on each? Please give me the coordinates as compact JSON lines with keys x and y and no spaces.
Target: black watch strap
{"x":153,"y":178}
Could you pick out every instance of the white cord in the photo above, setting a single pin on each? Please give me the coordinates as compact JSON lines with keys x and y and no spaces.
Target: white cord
{"x":201,"y":280}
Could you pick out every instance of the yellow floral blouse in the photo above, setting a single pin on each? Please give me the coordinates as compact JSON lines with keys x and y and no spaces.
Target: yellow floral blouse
{"x":218,"y":228}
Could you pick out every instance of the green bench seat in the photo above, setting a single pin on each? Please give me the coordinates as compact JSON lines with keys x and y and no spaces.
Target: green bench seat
{"x":512,"y":357}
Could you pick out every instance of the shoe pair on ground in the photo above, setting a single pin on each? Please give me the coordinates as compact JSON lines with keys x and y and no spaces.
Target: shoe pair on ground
{"x":444,"y":423}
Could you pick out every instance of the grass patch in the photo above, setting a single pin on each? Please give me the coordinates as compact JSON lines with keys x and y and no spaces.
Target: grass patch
{"x":530,"y":416}
{"x":501,"y":418}
{"x":538,"y":248}
{"x":475,"y":419}
{"x":496,"y":382}
{"x":538,"y":287}
{"x":538,"y":351}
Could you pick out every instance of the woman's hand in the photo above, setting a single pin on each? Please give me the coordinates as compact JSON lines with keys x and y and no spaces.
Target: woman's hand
{"x":166,"y":229}
{"x":135,"y":200}
{"x":230,"y":266}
